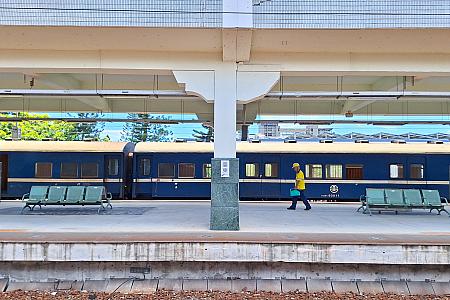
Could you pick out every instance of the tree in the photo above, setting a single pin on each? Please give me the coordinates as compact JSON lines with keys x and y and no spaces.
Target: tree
{"x":38,"y":130}
{"x":144,"y":131}
{"x":89,"y":129}
{"x":204,"y":136}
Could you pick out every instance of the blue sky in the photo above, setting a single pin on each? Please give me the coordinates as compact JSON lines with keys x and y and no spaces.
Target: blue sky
{"x":185,"y":130}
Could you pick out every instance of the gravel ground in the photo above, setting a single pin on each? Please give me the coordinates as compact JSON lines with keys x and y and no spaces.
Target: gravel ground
{"x":165,"y":295}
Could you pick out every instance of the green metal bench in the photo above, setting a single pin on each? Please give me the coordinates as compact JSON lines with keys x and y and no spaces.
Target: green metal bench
{"x":373,"y":199}
{"x":36,"y":196}
{"x":56,"y":195}
{"x":395,"y":200}
{"x":413,"y":198}
{"x":67,"y":195}
{"x":97,"y":195}
{"x":433,"y":201}
{"x":401,"y":199}
{"x":74,"y":196}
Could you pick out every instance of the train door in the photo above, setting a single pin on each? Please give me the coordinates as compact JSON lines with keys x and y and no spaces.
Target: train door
{"x":4,"y":173}
{"x":270,"y":184}
{"x":128,"y":176}
{"x":112,"y":178}
{"x":144,"y":186}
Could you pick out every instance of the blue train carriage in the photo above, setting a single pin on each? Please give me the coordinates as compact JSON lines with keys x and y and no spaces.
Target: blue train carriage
{"x":342,"y":171}
{"x":335,"y":171}
{"x":172,"y":170}
{"x":27,"y":163}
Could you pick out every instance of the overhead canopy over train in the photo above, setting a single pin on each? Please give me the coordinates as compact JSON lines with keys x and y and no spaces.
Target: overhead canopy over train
{"x":64,"y":146}
{"x":308,"y":147}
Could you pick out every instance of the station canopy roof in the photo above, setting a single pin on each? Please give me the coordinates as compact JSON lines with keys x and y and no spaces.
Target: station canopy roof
{"x":62,"y":146}
{"x":305,"y":147}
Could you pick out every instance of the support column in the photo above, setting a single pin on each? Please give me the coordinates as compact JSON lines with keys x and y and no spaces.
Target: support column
{"x":244,"y":133}
{"x":225,"y":165}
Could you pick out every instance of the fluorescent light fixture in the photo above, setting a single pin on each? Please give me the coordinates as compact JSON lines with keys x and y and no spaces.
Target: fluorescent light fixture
{"x":125,"y":96}
{"x":372,"y":98}
{"x":11,"y":96}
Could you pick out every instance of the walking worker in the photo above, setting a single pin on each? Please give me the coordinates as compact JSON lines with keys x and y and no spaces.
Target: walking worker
{"x":299,"y":189}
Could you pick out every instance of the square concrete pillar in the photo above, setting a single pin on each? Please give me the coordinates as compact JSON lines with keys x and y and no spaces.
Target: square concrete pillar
{"x":225,"y":195}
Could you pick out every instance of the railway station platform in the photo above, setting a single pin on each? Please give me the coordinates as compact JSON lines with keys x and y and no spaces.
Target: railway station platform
{"x":172,"y":240}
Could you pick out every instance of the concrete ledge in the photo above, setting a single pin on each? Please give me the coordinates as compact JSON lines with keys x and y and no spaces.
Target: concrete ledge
{"x":120,"y":285}
{"x":397,"y":287}
{"x":95,"y":285}
{"x":345,"y":287}
{"x":225,"y":252}
{"x":195,"y":285}
{"x":292,"y":285}
{"x":128,"y":285}
{"x":441,"y":288}
{"x":319,"y":285}
{"x":170,"y":284}
{"x":240,"y":285}
{"x":370,"y":287}
{"x":31,"y":286}
{"x":223,"y":285}
{"x":268,"y":285}
{"x":144,"y":286}
{"x":420,"y":288}
{"x":74,"y":285}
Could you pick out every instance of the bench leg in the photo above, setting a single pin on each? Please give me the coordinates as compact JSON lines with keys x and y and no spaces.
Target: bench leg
{"x":29,"y":207}
{"x":101,"y":207}
{"x":368,"y":209}
{"x":443,"y":209}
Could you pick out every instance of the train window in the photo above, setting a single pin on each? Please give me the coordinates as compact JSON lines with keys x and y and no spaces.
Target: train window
{"x":113,"y":167}
{"x":354,"y":172}
{"x":43,"y":170}
{"x":333,"y":171}
{"x":89,"y":170}
{"x":251,"y":170}
{"x":396,"y":170}
{"x":186,"y":170}
{"x":314,"y":171}
{"x":69,"y":170}
{"x":144,"y":167}
{"x":166,"y":170}
{"x":416,"y":171}
{"x":271,"y":170}
{"x":207,"y":170}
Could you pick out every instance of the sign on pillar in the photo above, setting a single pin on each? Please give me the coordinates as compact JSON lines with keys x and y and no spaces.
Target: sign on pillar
{"x":225,"y":168}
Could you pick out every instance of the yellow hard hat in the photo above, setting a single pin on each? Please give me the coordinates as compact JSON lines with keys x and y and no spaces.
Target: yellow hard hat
{"x":295,"y":165}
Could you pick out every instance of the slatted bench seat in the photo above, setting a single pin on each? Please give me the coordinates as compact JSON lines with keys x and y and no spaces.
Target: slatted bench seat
{"x":67,"y":195}
{"x":401,"y":200}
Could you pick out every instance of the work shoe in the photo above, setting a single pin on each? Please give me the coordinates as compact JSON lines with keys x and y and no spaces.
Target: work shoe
{"x":291,"y":208}
{"x":308,"y":208}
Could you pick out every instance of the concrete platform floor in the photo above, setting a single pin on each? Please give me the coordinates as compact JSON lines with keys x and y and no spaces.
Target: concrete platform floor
{"x":172,"y":221}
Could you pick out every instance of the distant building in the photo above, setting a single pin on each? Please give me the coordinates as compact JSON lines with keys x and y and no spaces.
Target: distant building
{"x":272,"y":129}
{"x":310,"y":131}
{"x":269,"y":129}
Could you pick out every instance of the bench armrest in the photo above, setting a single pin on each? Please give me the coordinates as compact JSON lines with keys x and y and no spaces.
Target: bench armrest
{"x":108,"y":196}
{"x":24,"y":197}
{"x":443,"y":198}
{"x":362,"y":198}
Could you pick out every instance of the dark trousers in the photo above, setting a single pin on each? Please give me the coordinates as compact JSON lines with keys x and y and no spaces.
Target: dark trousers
{"x":301,"y":197}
